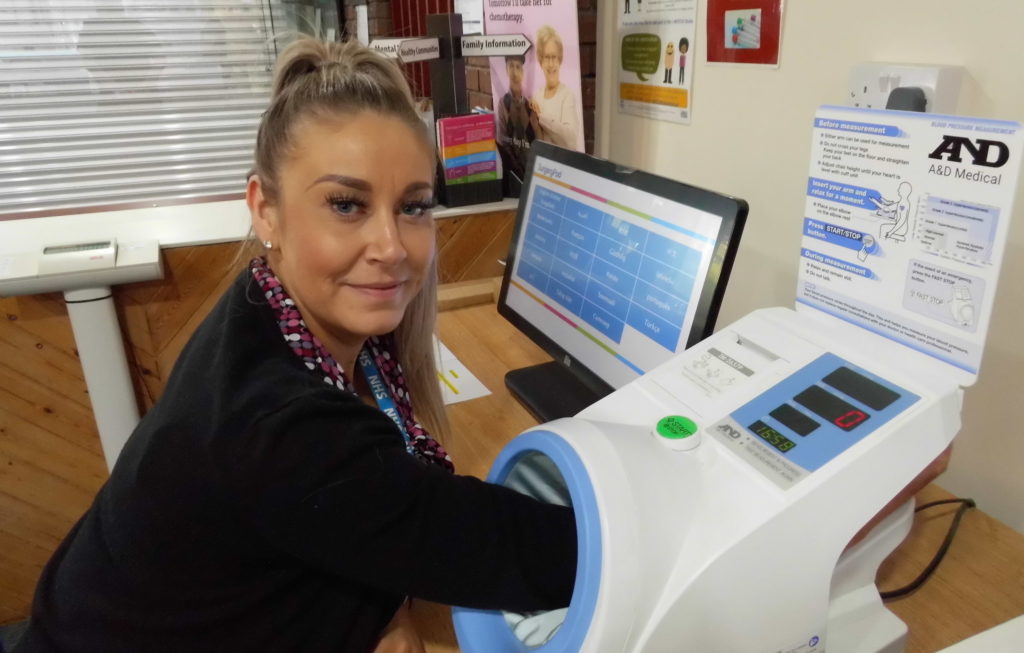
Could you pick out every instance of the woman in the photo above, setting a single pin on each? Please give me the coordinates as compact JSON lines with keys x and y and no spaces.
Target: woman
{"x":684,"y":47}
{"x":554,"y":104}
{"x":281,"y":495}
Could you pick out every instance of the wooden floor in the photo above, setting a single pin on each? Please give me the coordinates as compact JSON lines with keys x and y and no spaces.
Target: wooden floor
{"x":51,"y":464}
{"x":50,"y":459}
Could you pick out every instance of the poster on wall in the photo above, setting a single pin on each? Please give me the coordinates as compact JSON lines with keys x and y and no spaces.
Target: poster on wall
{"x":472,"y":12}
{"x":906,"y":222}
{"x":537,"y":94}
{"x":744,"y":31}
{"x":656,"y":39}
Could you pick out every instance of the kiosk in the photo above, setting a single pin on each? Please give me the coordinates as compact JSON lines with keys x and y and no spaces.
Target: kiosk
{"x":716,"y":494}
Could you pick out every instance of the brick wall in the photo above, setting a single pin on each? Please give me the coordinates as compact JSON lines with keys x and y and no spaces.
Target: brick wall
{"x":478,"y":72}
{"x":378,"y":13}
{"x":405,"y":18}
{"x":478,"y":82}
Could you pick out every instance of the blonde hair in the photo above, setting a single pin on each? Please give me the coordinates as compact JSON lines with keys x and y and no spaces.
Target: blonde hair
{"x":547,"y":34}
{"x":327,"y":80}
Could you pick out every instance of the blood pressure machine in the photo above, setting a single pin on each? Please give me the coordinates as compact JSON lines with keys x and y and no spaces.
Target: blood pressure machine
{"x":724,"y":529}
{"x":716,"y":494}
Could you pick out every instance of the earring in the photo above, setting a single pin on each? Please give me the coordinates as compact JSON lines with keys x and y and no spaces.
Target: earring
{"x":268,"y":244}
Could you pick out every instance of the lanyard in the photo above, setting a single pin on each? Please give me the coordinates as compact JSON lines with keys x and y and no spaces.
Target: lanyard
{"x":382,"y":396}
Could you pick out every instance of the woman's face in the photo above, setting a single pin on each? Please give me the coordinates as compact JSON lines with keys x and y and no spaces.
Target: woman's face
{"x":550,"y":62}
{"x":352,"y":231}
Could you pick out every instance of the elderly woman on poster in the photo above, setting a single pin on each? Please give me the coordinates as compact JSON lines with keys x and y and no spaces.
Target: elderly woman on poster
{"x":554,"y":103}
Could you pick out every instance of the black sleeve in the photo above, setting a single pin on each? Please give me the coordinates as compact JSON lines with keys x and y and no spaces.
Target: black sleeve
{"x":327,"y":480}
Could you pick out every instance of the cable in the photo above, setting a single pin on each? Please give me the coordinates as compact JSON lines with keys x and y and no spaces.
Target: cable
{"x":965,"y":504}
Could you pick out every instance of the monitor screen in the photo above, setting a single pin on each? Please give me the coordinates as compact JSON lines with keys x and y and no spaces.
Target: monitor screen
{"x":611,"y":271}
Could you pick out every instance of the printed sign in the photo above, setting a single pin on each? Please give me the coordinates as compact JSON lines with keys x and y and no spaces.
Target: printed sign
{"x":537,"y":90}
{"x":656,"y":40}
{"x":387,"y":47}
{"x":495,"y":45}
{"x":906,"y":222}
{"x":411,"y":50}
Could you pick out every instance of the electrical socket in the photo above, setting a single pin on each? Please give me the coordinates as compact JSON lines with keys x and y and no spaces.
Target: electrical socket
{"x":871,"y":83}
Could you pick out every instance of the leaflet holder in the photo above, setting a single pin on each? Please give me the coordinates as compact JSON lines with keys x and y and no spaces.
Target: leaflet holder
{"x":465,"y":194}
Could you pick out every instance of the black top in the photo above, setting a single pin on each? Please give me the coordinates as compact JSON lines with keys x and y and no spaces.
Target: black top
{"x":515,"y":133}
{"x":255,"y":508}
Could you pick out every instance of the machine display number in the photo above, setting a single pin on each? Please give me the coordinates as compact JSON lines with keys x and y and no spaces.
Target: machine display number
{"x":825,"y":404}
{"x":850,"y":419}
{"x":771,"y":436}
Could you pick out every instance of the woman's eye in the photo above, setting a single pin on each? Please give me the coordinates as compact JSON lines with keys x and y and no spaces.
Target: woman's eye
{"x":345,"y":207}
{"x":416,"y":209}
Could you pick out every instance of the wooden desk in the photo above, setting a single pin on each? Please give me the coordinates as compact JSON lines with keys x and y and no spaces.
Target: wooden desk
{"x":980,"y":583}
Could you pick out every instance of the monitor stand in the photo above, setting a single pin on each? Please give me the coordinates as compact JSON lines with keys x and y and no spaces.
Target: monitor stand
{"x":550,"y":391}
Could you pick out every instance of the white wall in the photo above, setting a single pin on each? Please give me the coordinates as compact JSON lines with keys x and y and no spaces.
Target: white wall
{"x":750,"y":137}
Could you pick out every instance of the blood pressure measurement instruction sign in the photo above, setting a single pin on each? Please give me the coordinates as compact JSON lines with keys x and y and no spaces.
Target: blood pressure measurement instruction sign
{"x":905,"y":224}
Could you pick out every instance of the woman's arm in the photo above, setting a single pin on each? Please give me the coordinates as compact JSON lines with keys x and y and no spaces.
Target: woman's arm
{"x":562,"y":128}
{"x":328,"y":482}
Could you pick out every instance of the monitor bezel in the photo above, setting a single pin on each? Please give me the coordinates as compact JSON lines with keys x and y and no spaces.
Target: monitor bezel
{"x":733,"y":212}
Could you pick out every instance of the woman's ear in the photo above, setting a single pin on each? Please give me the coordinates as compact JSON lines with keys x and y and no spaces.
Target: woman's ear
{"x":261,"y":210}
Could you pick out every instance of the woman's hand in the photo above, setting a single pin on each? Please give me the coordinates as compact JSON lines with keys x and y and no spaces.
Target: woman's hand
{"x":400,"y":635}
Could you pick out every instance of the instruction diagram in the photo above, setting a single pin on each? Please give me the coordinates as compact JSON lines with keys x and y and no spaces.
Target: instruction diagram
{"x":895,"y":213}
{"x":905,"y":224}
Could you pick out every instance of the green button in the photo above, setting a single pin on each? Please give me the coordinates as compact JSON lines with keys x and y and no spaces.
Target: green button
{"x":676,"y":427}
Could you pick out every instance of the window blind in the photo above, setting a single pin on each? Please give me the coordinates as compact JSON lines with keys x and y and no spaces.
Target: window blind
{"x":111,"y":104}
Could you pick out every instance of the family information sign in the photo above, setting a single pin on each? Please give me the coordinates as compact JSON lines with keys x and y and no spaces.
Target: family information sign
{"x":905,"y":225}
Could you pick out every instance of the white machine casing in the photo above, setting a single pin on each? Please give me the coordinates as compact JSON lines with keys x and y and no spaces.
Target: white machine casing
{"x":700,"y":551}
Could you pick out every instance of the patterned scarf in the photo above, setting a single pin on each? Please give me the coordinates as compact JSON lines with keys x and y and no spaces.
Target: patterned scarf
{"x":319,"y":361}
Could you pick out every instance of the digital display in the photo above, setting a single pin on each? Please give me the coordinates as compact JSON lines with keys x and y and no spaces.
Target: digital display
{"x":873,"y":395}
{"x":825,"y":404}
{"x":791,"y":417}
{"x":771,"y":436}
{"x":825,"y":407}
{"x":617,"y":270}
